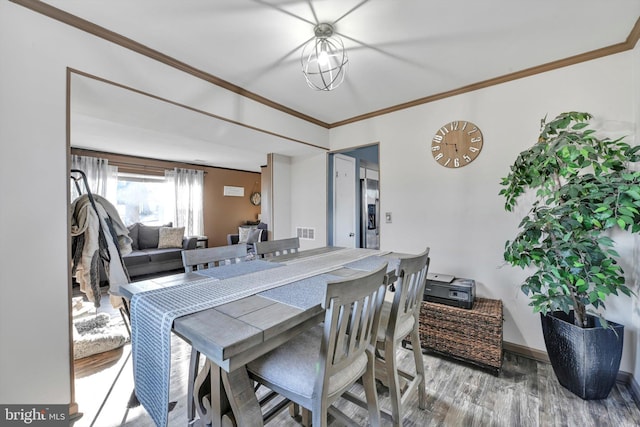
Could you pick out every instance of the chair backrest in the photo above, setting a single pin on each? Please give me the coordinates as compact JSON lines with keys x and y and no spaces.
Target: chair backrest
{"x":409,"y":291}
{"x":277,"y":247}
{"x":351,"y":322}
{"x":199,"y":259}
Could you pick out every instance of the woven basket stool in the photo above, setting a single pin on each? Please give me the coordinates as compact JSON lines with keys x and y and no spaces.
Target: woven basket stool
{"x":471,"y":335}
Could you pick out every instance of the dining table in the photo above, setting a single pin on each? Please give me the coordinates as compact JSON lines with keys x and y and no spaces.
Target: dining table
{"x":231,"y":315}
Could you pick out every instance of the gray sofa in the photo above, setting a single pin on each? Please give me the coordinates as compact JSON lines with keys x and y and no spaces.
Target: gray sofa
{"x":147,"y":258}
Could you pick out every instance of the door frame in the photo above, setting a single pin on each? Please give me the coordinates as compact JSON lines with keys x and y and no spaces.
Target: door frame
{"x":372,"y":157}
{"x":354,"y":214}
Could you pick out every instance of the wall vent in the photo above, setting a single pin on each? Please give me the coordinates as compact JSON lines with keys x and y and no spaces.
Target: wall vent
{"x":306,"y":233}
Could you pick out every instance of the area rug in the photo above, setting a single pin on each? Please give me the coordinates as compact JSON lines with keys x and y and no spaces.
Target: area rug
{"x":97,"y":333}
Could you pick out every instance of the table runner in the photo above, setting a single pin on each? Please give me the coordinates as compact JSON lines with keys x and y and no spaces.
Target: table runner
{"x":153,"y":313}
{"x":300,"y":256}
{"x":302,"y":294}
{"x":231,"y":270}
{"x":372,"y":262}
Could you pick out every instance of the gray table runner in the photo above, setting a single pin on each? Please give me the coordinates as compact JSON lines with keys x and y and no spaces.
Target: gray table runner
{"x":233,"y":270}
{"x":370,"y":263}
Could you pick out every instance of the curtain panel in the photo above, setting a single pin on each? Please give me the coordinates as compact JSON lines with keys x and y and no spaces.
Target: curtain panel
{"x":102,"y":177}
{"x":189,"y":193}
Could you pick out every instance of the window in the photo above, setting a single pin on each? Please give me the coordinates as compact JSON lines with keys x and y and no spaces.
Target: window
{"x":147,"y":199}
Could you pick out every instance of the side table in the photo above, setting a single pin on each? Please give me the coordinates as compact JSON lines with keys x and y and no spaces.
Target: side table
{"x":202,"y":242}
{"x":472,"y":335}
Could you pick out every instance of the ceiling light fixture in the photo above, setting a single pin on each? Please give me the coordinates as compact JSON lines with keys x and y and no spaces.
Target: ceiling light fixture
{"x":324,"y":60}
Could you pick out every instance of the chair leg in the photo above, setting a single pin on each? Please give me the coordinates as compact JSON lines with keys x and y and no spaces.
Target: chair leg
{"x":371,"y":394}
{"x":304,"y":413}
{"x":395,"y":393}
{"x":420,"y":373}
{"x":381,"y":367}
{"x":305,"y":417}
{"x":194,"y":363}
{"x":294,"y":410}
{"x":319,"y":413}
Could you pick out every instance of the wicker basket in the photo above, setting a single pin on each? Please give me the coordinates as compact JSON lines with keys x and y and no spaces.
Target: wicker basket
{"x":473,"y":335}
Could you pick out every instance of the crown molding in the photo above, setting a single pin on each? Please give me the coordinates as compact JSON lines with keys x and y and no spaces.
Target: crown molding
{"x":628,"y":44}
{"x":98,"y":31}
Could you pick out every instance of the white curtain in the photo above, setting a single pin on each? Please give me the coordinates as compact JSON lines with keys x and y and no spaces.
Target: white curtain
{"x":101,"y":177}
{"x":189,"y":189}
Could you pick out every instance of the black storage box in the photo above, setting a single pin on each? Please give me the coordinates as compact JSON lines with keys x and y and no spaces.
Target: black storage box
{"x":449,"y":290}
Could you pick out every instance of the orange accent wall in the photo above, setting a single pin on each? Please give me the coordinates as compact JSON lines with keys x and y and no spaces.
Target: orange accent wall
{"x":222,"y":214}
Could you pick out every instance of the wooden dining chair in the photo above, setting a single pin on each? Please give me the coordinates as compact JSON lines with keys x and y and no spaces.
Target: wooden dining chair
{"x":315,"y":368}
{"x":399,"y":319}
{"x":273,"y":248}
{"x":199,"y":259}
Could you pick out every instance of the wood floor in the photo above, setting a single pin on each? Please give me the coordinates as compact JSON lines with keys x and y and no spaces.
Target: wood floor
{"x":526,"y":393}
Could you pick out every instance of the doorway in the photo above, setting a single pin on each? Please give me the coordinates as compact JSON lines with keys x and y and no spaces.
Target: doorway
{"x":354,"y":198}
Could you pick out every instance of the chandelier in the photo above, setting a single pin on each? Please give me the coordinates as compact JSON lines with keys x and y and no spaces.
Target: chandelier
{"x":324,"y":60}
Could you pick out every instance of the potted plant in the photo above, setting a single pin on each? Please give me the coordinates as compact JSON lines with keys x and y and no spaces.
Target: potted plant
{"x":582,"y":189}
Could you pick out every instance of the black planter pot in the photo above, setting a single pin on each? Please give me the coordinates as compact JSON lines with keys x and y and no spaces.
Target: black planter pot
{"x":585,"y":360}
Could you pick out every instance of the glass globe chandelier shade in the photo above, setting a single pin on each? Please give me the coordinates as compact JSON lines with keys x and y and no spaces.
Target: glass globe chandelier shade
{"x":324,"y":60}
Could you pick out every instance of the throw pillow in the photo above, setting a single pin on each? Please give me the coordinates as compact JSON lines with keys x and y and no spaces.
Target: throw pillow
{"x":133,"y":233}
{"x":170,"y":237}
{"x":243,"y":233}
{"x":148,"y":236}
{"x":254,"y":235}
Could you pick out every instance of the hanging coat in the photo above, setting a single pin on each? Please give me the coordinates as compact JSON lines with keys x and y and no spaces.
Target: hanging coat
{"x":99,"y":239}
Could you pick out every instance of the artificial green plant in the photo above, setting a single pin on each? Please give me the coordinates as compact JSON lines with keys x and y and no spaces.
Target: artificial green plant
{"x":583,"y":187}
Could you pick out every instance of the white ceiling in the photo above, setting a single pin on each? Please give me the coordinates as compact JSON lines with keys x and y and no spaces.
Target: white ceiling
{"x":112,"y":119}
{"x":399,"y":51}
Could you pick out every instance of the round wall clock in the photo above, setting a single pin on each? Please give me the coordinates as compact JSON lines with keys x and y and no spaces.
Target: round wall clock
{"x":255,"y":198}
{"x":456,"y":144}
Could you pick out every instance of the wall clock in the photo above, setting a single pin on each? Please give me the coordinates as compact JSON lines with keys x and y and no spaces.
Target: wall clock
{"x":255,"y":198}
{"x":456,"y":144}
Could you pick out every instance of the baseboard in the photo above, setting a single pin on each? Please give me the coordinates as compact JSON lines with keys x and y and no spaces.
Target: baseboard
{"x":541,"y":356}
{"x":529,"y":353}
{"x":74,"y":415}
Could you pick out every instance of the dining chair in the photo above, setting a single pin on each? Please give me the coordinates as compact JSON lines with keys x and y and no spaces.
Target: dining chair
{"x":273,"y":248}
{"x":399,"y":319}
{"x":200,"y":259}
{"x":315,"y":368}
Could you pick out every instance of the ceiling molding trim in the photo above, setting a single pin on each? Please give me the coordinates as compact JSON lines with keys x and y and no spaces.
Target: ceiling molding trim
{"x":634,"y":35}
{"x":98,"y":31}
{"x":195,"y":110}
{"x":89,"y":27}
{"x":628,"y":44}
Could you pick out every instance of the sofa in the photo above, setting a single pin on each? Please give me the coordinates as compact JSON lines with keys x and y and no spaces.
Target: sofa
{"x":156,"y":249}
{"x":249,"y":234}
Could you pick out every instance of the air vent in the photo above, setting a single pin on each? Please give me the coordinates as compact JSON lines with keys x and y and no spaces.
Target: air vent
{"x":306,"y":233}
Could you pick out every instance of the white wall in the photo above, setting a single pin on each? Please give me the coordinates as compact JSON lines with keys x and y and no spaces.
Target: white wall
{"x":35,"y":52}
{"x":34,"y":311}
{"x":636,"y":300}
{"x":458,"y":213}
{"x":280,"y":196}
{"x":309,"y":195}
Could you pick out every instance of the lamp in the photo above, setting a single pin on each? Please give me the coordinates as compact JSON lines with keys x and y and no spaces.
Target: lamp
{"x":324,"y":60}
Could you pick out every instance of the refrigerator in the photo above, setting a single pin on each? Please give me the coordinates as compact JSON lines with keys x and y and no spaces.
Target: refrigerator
{"x":370,"y":210}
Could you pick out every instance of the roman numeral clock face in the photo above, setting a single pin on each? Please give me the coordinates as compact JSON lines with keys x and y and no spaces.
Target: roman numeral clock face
{"x":456,"y":144}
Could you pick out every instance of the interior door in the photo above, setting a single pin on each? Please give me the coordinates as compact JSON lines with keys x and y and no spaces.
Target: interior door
{"x":344,"y":201}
